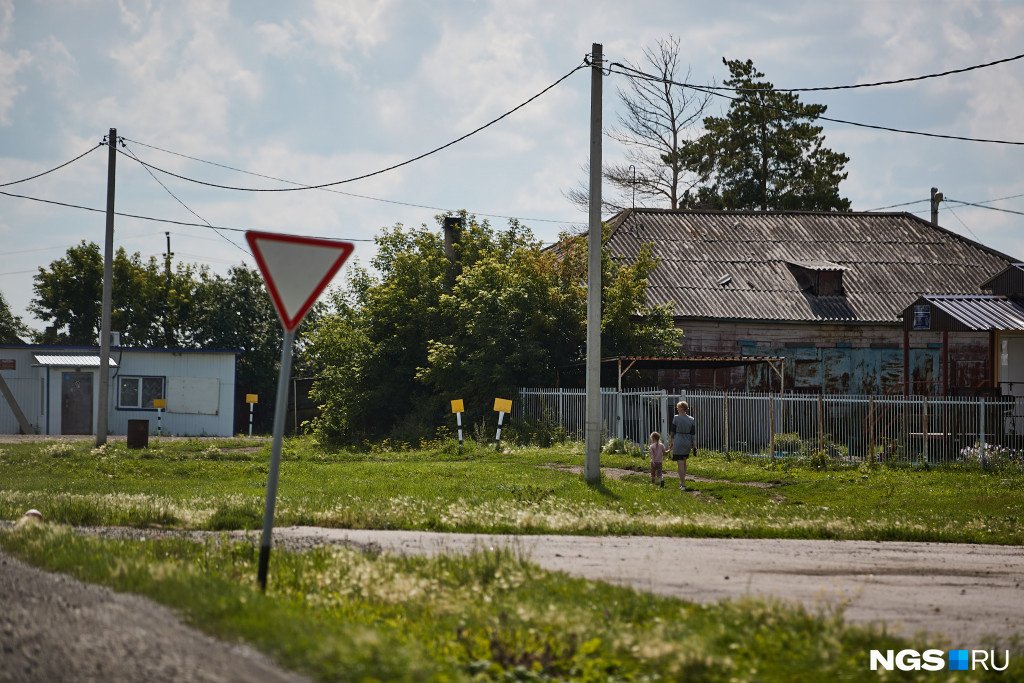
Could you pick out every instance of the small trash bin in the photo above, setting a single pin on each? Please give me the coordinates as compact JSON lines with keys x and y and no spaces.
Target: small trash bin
{"x":138,"y":433}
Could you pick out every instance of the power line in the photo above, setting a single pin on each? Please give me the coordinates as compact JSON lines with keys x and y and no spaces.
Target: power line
{"x":341,"y":192}
{"x":705,"y":89}
{"x":55,"y":168}
{"x":177,"y":199}
{"x":893,"y":206}
{"x":851,"y":87}
{"x":373,"y":173}
{"x":990,"y":208}
{"x":148,"y":218}
{"x":978,"y":239}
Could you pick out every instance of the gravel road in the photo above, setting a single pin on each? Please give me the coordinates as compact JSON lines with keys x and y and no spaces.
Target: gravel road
{"x":55,"y":628}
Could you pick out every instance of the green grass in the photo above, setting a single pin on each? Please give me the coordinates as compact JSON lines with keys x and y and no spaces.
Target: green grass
{"x":336,"y":613}
{"x":195,"y":484}
{"x":339,"y":614}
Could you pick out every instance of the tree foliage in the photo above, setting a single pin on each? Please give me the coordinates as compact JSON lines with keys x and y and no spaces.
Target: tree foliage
{"x":12,"y":328}
{"x":69,"y":296}
{"x":654,"y":126}
{"x":766,"y":153}
{"x":505,"y":313}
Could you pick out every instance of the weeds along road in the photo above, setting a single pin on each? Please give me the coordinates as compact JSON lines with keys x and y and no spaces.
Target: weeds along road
{"x":53,"y":627}
{"x":962,"y":591}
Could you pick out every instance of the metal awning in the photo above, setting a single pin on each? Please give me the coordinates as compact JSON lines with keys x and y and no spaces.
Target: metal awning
{"x":66,"y":360}
{"x":968,"y":313}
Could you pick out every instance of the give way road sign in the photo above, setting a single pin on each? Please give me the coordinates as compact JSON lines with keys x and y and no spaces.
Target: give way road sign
{"x":296,"y":270}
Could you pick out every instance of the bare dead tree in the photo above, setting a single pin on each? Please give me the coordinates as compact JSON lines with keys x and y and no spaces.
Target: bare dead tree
{"x":654,"y":129}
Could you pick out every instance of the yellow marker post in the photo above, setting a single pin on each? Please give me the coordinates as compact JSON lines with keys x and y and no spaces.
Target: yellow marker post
{"x":159,"y":404}
{"x":458,"y":409}
{"x":252,"y":400}
{"x":502,"y":406}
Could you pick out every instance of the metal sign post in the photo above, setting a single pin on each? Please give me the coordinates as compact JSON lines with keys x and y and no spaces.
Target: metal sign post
{"x":296,"y":270}
{"x":458,"y":409}
{"x":502,"y":405}
{"x":159,"y":404}
{"x":251,"y":399}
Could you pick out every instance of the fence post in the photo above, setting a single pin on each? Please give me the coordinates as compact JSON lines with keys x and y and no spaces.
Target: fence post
{"x":924,"y":448}
{"x":821,"y":423}
{"x":725,"y":417}
{"x":663,"y":403}
{"x":981,"y":426}
{"x":871,"y":426}
{"x":771,"y":426}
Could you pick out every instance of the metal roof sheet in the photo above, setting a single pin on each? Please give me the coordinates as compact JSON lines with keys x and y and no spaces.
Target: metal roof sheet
{"x":981,"y":312}
{"x":70,"y":360}
{"x":888,"y":261}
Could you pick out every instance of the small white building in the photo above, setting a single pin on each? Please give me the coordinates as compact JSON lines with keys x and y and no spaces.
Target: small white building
{"x":56,"y":390}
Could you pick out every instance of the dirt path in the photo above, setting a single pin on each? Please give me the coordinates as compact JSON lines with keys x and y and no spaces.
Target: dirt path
{"x":53,"y":627}
{"x":963,"y":591}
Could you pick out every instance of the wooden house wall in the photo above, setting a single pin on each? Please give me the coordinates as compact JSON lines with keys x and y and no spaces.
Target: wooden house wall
{"x":832,"y":359}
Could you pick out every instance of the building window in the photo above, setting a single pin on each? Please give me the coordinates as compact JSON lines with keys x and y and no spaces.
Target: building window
{"x":139,"y":392}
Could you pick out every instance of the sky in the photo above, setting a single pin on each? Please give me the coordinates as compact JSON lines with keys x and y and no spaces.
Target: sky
{"x":316,"y":91}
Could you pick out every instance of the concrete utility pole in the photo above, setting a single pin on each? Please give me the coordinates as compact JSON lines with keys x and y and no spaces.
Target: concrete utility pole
{"x":936,"y":200}
{"x":108,"y":278}
{"x":592,"y":456}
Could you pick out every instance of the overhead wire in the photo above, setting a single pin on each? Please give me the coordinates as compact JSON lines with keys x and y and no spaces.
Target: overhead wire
{"x":983,"y":206}
{"x":178,"y":199}
{"x":341,"y":192}
{"x":630,"y":72}
{"x":875,"y":84}
{"x":148,"y":218}
{"x":55,"y":168}
{"x":966,"y":227}
{"x":377,"y":172}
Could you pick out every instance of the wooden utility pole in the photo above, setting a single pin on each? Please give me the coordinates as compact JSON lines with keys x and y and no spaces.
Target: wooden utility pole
{"x":592,"y":456}
{"x":108,"y":278}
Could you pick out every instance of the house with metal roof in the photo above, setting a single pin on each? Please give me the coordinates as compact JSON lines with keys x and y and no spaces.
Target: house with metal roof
{"x":829,"y":293}
{"x":55,"y":390}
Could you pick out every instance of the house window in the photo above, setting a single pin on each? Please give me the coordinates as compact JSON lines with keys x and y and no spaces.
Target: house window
{"x":139,"y":392}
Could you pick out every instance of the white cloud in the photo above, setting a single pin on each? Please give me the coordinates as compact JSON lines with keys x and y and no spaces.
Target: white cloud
{"x":181,"y":77}
{"x":277,"y":39}
{"x":345,"y":27}
{"x":10,"y":65}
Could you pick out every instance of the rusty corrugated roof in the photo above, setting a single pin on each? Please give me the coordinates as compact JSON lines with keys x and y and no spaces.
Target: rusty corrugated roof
{"x":888,"y":259}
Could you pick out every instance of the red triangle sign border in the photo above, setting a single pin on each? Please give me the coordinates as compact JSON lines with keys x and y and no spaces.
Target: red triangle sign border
{"x":291,"y":322}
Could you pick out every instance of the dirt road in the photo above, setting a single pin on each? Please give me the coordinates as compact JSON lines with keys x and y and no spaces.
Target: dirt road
{"x":963,"y":591}
{"x":55,"y":628}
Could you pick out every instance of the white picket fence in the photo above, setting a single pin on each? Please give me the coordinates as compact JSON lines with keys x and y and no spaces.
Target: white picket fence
{"x":914,"y":428}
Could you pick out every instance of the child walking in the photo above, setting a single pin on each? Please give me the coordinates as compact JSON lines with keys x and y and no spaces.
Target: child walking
{"x":657,"y":458}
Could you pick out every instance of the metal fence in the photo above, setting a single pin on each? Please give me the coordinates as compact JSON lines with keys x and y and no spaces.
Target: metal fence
{"x":914,"y":428}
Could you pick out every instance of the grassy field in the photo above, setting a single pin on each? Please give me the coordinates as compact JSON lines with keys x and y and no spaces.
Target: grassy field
{"x":342,"y":614}
{"x":339,"y":614}
{"x":194,"y":484}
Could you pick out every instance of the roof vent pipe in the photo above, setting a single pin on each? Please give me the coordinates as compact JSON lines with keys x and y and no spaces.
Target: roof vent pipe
{"x":936,"y":200}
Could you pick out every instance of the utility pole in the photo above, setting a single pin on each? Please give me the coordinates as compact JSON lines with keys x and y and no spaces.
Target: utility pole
{"x":936,"y":200}
{"x":108,"y":278}
{"x":168,"y":337}
{"x":592,"y":455}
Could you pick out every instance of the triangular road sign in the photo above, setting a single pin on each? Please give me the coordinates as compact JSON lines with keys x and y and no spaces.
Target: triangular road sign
{"x":296,"y":270}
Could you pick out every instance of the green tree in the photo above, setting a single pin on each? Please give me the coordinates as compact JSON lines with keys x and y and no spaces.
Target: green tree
{"x":12,"y":329}
{"x":504,"y":313}
{"x":234,"y":312}
{"x":765,"y":153}
{"x":69,"y":295}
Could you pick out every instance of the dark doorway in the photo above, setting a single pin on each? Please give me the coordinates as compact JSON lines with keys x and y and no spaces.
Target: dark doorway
{"x":76,"y":403}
